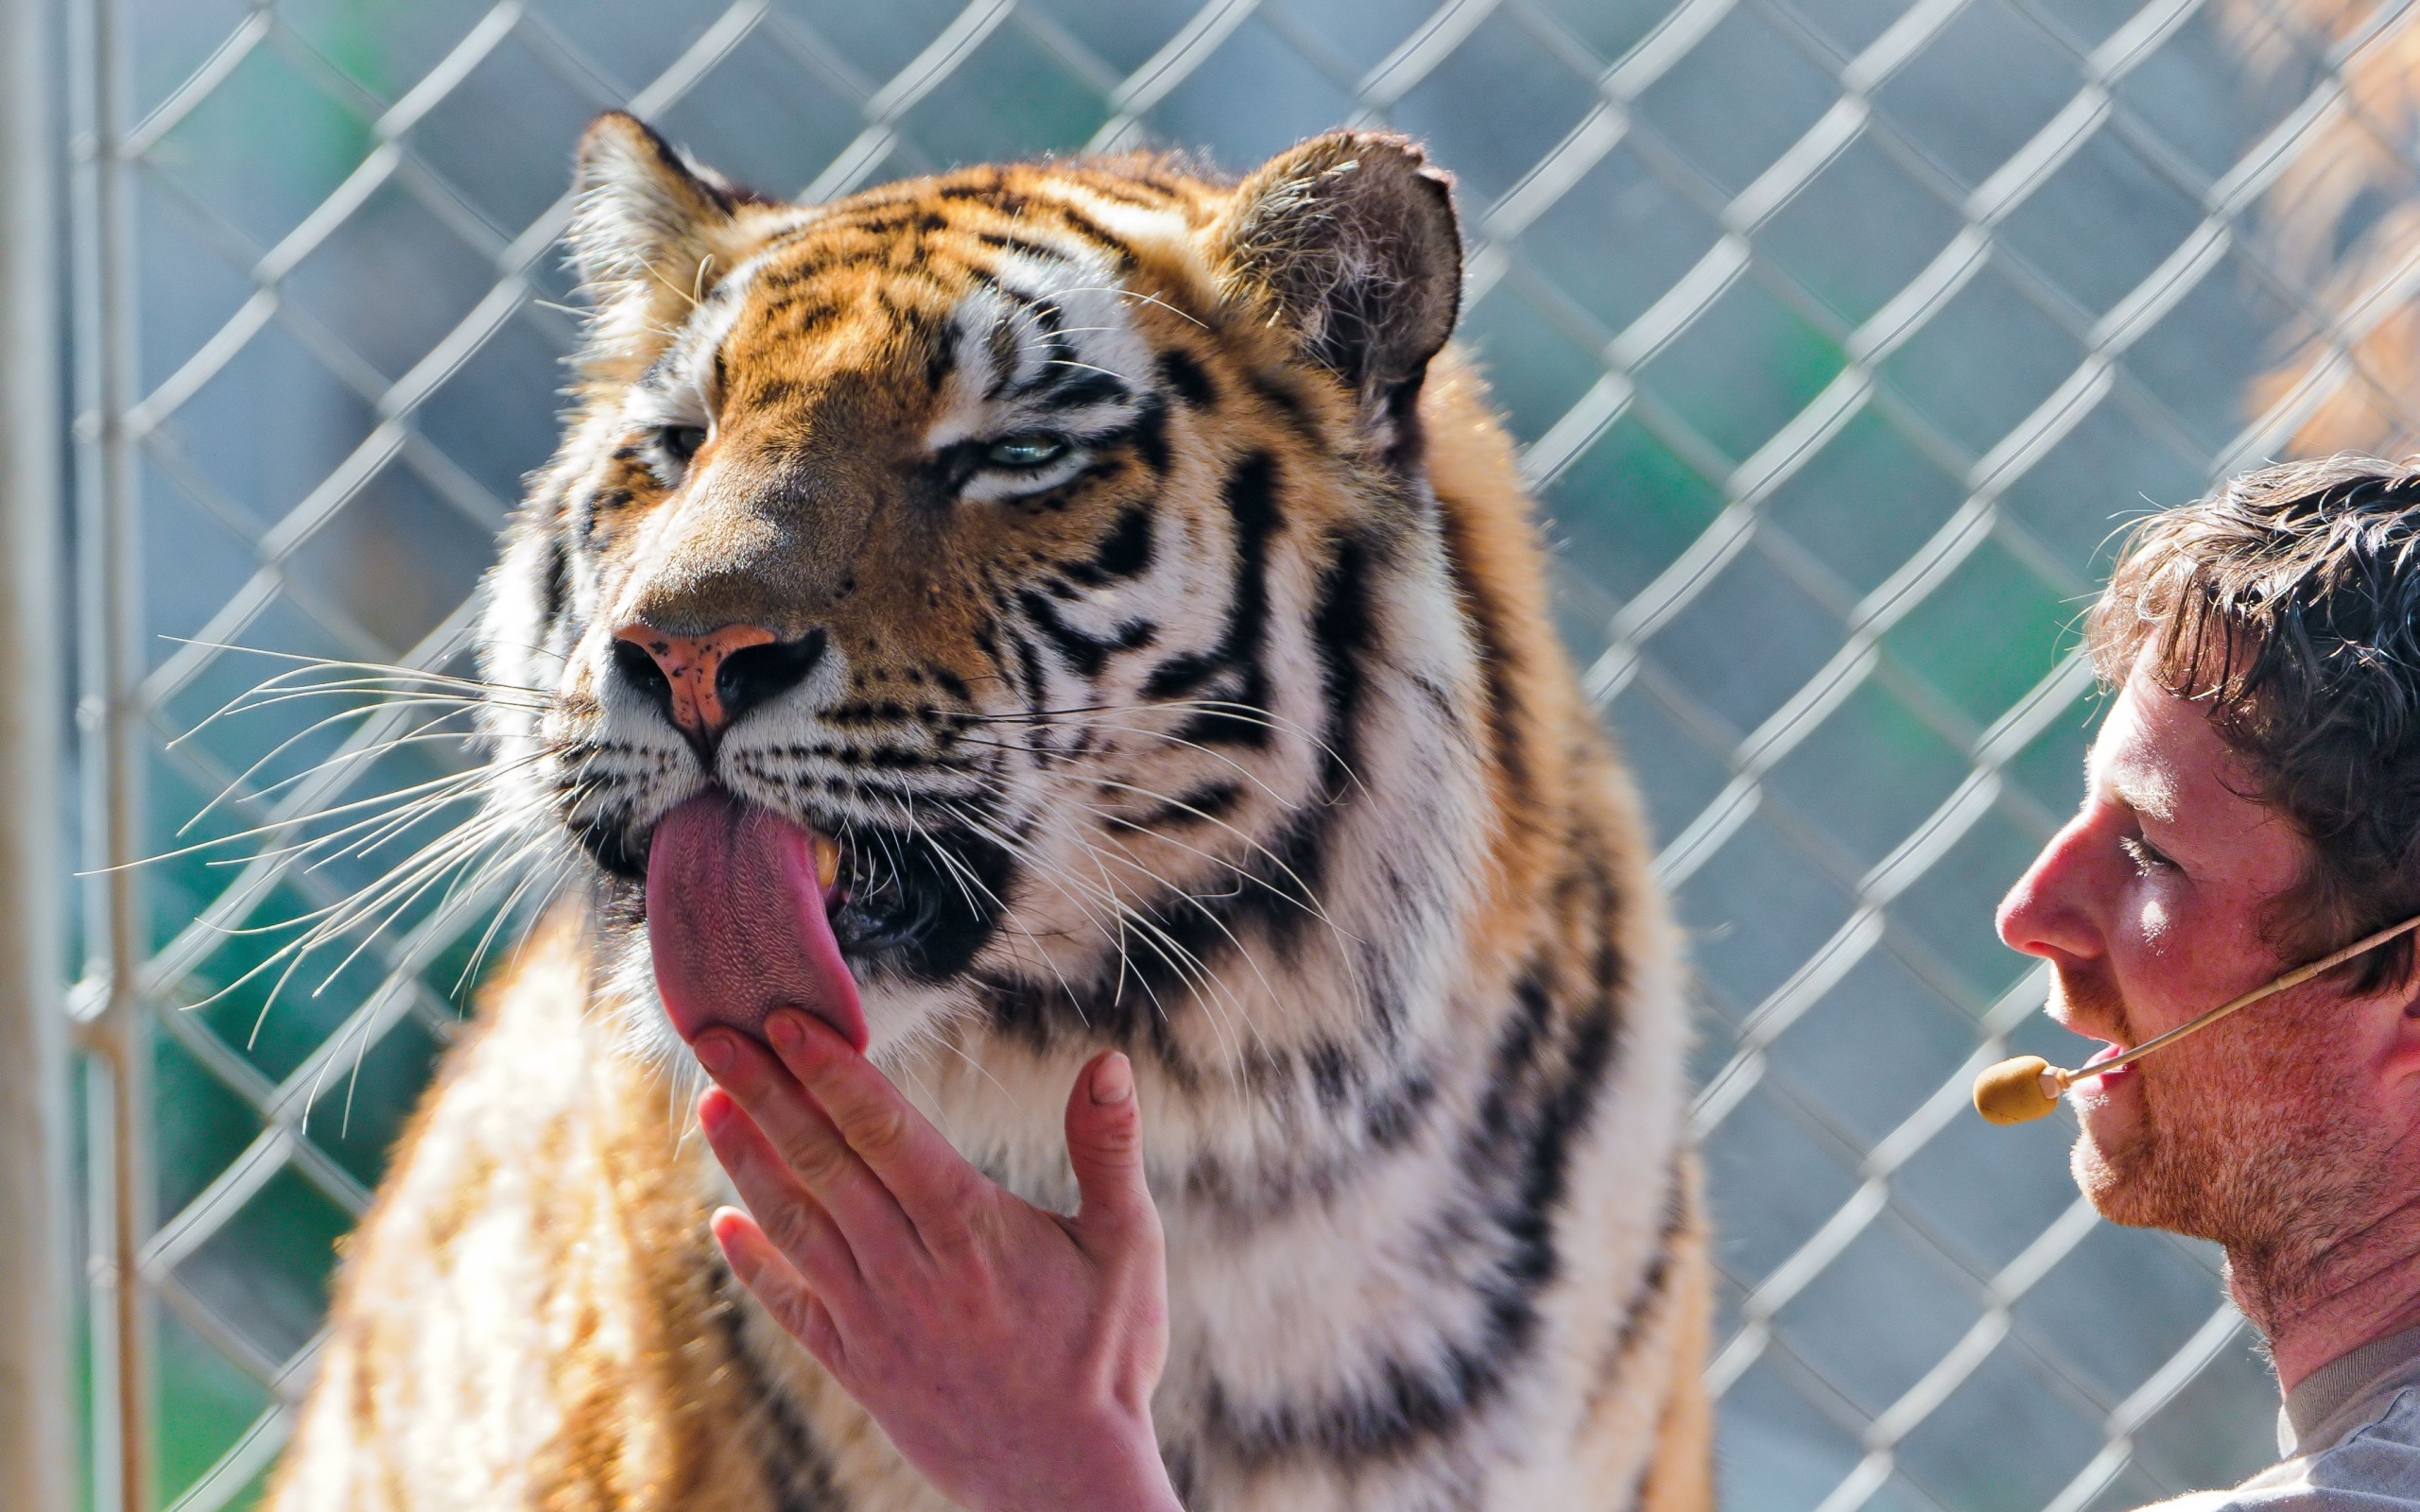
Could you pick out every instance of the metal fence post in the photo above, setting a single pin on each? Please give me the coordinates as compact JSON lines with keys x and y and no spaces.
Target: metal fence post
{"x":109,"y":609}
{"x":34,"y":1375}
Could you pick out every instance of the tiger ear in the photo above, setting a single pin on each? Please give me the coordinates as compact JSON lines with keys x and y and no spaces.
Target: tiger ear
{"x":647,"y":221}
{"x":1349,"y":241}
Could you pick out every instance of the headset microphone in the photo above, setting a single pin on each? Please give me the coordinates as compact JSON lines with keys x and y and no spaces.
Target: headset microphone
{"x":2027,"y":1088}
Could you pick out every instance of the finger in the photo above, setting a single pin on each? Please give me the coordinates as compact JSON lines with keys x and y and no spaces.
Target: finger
{"x":807,"y":1144}
{"x":932,"y":1182}
{"x":765,"y":1271}
{"x":783,"y":1209}
{"x":1105,"y":1146}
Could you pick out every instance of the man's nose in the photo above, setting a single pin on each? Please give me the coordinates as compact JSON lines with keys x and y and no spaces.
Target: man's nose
{"x":2049,"y":912}
{"x":704,"y":683}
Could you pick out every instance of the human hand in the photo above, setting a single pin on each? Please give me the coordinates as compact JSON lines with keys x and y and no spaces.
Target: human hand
{"x":1008,"y":1352}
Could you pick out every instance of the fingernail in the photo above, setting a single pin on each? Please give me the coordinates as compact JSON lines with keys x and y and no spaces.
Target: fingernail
{"x":784,"y":1029}
{"x":714,"y":1053}
{"x":1112,"y":1080}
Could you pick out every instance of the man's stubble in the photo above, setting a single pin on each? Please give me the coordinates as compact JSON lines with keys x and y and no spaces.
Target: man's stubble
{"x":2251,"y":1136}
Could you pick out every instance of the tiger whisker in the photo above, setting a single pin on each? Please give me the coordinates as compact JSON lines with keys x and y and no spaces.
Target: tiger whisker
{"x":1116,"y":937}
{"x":456,"y":846}
{"x":1201,"y":904}
{"x":1308,"y":902}
{"x":1179,"y":741}
{"x":387,"y":668}
{"x":1309,"y":899}
{"x":352,"y":1080}
{"x":1190,"y":968}
{"x":424,"y":734}
{"x":1134,"y":294}
{"x":553,"y":874}
{"x":959,"y":866}
{"x":467,"y":780}
{"x":1242,"y":712}
{"x":1088,"y":367}
{"x":421,"y":871}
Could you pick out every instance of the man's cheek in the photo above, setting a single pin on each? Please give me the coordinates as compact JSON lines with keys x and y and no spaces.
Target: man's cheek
{"x":2110,"y":1111}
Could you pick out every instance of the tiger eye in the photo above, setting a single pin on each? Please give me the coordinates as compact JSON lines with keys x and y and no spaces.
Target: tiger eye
{"x":1025,"y":450}
{"x":681,"y":443}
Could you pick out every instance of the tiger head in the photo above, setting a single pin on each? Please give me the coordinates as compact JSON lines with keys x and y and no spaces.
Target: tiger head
{"x":1012,"y":602}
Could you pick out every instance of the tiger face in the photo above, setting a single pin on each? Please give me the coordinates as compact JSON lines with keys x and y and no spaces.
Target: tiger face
{"x":981,"y":598}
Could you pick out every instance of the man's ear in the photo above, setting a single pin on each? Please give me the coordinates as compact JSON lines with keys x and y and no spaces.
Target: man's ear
{"x":2400,"y":994}
{"x":1349,"y":243}
{"x":646,"y":224}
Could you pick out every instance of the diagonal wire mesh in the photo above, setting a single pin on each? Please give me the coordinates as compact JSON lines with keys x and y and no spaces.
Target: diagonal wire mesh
{"x":1837,"y":333}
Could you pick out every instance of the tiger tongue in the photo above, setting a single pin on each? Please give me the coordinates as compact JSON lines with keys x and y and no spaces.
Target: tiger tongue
{"x":737,"y":922}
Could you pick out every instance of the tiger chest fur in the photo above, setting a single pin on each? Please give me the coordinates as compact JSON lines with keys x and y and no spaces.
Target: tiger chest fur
{"x":1114,"y":572}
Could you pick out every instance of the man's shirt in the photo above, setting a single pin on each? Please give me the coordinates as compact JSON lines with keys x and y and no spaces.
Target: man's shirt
{"x":2350,"y":1433}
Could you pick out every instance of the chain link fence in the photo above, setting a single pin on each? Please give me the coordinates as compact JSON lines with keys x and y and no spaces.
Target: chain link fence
{"x":1839,"y":335}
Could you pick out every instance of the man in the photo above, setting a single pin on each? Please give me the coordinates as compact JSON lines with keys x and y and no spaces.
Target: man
{"x":2253,"y":802}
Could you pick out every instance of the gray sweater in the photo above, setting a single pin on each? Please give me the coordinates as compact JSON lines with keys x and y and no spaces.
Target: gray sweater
{"x":2350,"y":1434}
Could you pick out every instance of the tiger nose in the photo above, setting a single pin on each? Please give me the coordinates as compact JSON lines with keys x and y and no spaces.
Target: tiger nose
{"x":704,"y":683}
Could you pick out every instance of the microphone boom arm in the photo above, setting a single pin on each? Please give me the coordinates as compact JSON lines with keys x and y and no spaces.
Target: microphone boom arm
{"x":2027,"y":1088}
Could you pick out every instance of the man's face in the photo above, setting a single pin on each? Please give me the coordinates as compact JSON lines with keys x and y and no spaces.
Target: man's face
{"x":2150,"y":906}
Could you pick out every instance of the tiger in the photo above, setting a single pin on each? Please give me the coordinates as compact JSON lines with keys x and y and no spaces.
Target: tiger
{"x":1114,"y":570}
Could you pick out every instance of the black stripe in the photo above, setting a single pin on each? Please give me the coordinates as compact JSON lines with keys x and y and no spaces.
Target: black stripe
{"x":763,"y":393}
{"x":1185,"y":378}
{"x":1279,"y":394}
{"x":1251,"y":494}
{"x":1075,"y":386}
{"x":554,"y":589}
{"x":797,"y":316}
{"x":1207,"y":804}
{"x":1173,"y":942}
{"x":1516,"y":1155}
{"x":1082,"y":652}
{"x":1278,"y":884}
{"x":1121,"y":256}
{"x":1036,"y":691}
{"x":891,"y":223}
{"x":990,"y":190}
{"x":1342,"y":631}
{"x":1053,"y":321}
{"x":999,"y":241}
{"x":1649,"y":1293}
{"x":1128,"y":1011}
{"x":794,"y":1462}
{"x":1125,"y":552}
{"x":1148,"y":435}
{"x":1505,"y":713}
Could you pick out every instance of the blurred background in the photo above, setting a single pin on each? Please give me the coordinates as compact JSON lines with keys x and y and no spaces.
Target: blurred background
{"x":1840,"y":335}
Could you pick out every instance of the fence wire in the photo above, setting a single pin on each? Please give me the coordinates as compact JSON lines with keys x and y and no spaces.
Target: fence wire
{"x":1838,"y":335}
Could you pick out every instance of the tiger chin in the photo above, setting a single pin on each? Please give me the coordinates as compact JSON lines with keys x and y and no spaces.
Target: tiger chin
{"x":1108,"y":578}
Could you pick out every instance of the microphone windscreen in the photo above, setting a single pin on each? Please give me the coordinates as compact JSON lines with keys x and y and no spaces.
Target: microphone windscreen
{"x":2013,"y":1091}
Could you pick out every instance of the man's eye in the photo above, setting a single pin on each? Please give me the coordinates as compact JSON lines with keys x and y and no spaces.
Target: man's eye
{"x":681,"y":443}
{"x":2146,"y":856}
{"x":1026,"y":451}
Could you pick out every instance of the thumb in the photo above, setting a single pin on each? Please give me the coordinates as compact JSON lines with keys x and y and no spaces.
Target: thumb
{"x":1105,"y":1145}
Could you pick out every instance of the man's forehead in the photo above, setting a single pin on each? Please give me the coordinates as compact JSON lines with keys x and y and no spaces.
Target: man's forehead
{"x":2157,"y":752}
{"x":2145,"y":783}
{"x":2160,"y":755}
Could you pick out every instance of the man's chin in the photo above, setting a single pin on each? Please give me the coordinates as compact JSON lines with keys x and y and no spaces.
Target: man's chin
{"x":2129,"y":1178}
{"x":2114,"y":1191}
{"x":2113,"y":1148}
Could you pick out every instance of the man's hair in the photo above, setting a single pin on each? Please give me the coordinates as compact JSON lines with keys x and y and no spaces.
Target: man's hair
{"x":2288,"y":604}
